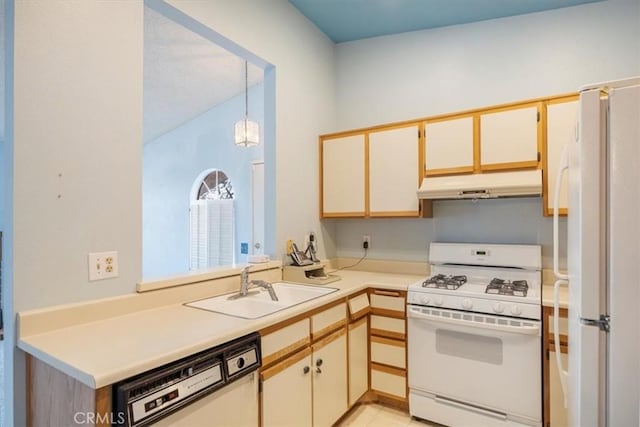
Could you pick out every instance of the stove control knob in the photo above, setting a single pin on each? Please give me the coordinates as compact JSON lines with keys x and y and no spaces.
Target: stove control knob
{"x":467,"y":304}
{"x":498,"y":307}
{"x":425,"y":300}
{"x":439,"y":301}
{"x":516,"y":310}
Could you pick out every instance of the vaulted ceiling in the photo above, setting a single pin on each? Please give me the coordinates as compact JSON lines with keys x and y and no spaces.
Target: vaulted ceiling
{"x":185,"y":75}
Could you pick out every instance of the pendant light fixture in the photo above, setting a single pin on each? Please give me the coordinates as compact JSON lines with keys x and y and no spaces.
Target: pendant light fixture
{"x":247,"y":132}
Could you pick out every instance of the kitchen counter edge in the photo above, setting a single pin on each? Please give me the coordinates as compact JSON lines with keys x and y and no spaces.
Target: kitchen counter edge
{"x":73,"y":351}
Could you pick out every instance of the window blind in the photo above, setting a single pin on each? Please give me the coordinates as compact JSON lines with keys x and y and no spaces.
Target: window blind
{"x":211,"y":231}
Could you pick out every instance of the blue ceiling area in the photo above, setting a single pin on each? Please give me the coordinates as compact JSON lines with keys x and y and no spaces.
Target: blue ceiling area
{"x":348,"y":20}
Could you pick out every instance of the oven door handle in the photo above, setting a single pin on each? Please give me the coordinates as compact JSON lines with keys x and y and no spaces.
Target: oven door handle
{"x":534,"y":329}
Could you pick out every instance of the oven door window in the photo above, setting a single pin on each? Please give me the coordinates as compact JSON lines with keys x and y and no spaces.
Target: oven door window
{"x":475,"y":347}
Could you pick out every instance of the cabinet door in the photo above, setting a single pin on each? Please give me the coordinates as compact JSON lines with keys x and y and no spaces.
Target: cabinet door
{"x":561,"y":128}
{"x":394,"y":172}
{"x":559,"y":414}
{"x":343,"y":177}
{"x":358,"y":368}
{"x":509,"y":138}
{"x":329,"y":379}
{"x":286,"y":392}
{"x":449,"y":146}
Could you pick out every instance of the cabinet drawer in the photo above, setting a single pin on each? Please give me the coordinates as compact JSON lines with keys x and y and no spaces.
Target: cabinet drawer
{"x":391,"y":302}
{"x":328,"y":320}
{"x":563,"y":325}
{"x":388,"y":352}
{"x":389,"y":382}
{"x":358,"y":306}
{"x":388,"y":327}
{"x":283,"y":341}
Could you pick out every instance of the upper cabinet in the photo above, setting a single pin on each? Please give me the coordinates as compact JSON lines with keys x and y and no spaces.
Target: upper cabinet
{"x":374,"y":173}
{"x":510,"y":138}
{"x":343,"y":176}
{"x":561,"y":118}
{"x":492,"y":139}
{"x":449,"y":146}
{"x":394,"y":172}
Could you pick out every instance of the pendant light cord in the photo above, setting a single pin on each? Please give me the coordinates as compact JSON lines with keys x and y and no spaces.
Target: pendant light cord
{"x":246,"y":96}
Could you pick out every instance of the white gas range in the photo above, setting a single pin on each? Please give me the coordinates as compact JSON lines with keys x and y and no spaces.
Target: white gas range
{"x":474,"y":336}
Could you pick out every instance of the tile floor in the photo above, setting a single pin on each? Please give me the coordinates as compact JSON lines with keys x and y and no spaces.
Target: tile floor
{"x":374,"y":415}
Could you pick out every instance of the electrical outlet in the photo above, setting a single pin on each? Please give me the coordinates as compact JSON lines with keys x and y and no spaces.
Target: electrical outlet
{"x":366,"y":241}
{"x":103,"y":265}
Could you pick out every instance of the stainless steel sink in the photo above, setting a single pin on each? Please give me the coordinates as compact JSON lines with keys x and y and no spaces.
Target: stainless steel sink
{"x":258,"y":303}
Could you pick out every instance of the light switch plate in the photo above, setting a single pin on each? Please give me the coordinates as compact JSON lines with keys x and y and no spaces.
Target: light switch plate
{"x":103,"y":265}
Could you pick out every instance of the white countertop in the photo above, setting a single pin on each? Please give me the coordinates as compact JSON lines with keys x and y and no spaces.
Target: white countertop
{"x":102,"y":352}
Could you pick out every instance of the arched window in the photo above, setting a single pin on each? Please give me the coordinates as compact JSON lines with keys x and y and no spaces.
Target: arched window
{"x":212,"y":221}
{"x":215,"y":186}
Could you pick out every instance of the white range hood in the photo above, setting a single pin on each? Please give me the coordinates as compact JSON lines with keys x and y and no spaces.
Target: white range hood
{"x":482,"y":186}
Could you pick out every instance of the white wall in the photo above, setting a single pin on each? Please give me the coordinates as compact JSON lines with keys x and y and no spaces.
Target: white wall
{"x":77,"y":145}
{"x":2,"y":183}
{"x":424,"y":73}
{"x":303,"y":59}
{"x":76,"y":151}
{"x":483,"y":221}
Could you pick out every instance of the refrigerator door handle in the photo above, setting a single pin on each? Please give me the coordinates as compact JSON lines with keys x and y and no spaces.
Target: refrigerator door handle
{"x":564,"y":165}
{"x":562,"y":373}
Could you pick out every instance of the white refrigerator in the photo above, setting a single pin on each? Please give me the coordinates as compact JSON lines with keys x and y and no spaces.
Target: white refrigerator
{"x":602,"y":383}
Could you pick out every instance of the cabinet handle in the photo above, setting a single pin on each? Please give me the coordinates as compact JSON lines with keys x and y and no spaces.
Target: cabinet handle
{"x":306,"y":369}
{"x":318,"y":364}
{"x":387,"y":293}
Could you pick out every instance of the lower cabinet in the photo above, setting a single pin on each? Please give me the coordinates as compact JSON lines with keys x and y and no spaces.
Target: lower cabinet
{"x":309,"y":387}
{"x":329,"y":379}
{"x":388,"y":345}
{"x":287,"y":393}
{"x":558,"y":416}
{"x":358,"y":360}
{"x":555,"y":414}
{"x":318,"y":365}
{"x":304,"y":369}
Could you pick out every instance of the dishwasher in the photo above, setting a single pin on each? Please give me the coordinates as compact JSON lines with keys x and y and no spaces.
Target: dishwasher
{"x":218,"y":386}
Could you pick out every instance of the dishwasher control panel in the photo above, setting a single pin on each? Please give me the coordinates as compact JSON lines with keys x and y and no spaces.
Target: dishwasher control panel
{"x":148,"y":397}
{"x":238,"y":363}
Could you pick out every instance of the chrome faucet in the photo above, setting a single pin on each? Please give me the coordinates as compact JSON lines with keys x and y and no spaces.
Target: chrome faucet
{"x":245,"y":285}
{"x":244,"y":281}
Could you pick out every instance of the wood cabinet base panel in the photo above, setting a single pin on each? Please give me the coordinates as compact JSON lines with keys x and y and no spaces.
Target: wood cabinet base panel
{"x":56,"y":399}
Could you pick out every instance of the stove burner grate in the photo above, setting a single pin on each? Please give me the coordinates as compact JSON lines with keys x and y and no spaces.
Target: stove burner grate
{"x":441,"y":281}
{"x":516,"y":288}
